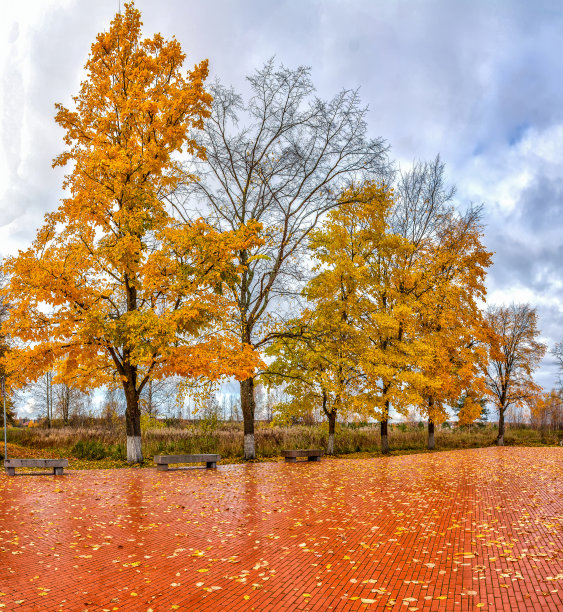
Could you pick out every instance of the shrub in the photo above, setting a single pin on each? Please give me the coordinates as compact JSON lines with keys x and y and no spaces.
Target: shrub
{"x":119,"y":452}
{"x":90,"y":449}
{"x":150,"y":422}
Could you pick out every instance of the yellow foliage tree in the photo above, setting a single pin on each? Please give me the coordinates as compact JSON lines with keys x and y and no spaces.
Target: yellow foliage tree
{"x":390,"y":353}
{"x":113,"y":291}
{"x":394,"y":303}
{"x":547,"y":411}
{"x":362,"y":340}
{"x":455,"y":261}
{"x":313,"y":358}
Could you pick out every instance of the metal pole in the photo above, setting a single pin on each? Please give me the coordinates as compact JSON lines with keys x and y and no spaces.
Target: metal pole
{"x":5,"y":424}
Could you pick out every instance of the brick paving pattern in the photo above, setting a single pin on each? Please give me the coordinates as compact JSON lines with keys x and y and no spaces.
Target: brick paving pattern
{"x":463,"y":530}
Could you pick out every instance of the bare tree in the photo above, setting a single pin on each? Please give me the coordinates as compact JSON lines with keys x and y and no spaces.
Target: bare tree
{"x":42,"y":392}
{"x":159,"y":397}
{"x":273,"y":398}
{"x":83,"y":411}
{"x":423,"y":201}
{"x":283,"y":165}
{"x":558,"y":354}
{"x":514,"y":354}
{"x":234,"y":408}
{"x":113,"y":406}
{"x":66,"y":401}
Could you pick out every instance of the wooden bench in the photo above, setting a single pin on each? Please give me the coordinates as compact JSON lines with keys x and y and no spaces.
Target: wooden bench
{"x":162,"y":461}
{"x":311,"y":454}
{"x":56,"y":464}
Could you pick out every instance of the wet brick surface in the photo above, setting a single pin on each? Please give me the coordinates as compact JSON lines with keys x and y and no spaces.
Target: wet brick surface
{"x":462,"y":530}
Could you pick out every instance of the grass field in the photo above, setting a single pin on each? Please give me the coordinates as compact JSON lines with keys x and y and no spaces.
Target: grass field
{"x":105,"y":447}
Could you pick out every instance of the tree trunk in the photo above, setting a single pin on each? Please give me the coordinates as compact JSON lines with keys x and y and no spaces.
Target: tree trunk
{"x":149,"y":400}
{"x":331,"y":430}
{"x":248,"y":407}
{"x":500,"y":437}
{"x":65,"y":398}
{"x":384,"y":438}
{"x":431,"y":445}
{"x":49,"y":378}
{"x":133,"y":424}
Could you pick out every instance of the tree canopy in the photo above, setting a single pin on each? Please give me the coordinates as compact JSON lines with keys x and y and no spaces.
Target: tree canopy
{"x":113,"y":289}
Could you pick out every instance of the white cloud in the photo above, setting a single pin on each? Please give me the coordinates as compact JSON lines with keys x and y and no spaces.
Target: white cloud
{"x":28,"y":409}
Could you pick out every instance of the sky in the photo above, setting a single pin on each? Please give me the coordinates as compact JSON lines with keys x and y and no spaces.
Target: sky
{"x":477,"y":81}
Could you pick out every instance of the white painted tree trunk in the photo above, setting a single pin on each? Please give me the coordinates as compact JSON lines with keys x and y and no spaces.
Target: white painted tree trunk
{"x":330,"y":445}
{"x":249,"y":449}
{"x":134,"y":451}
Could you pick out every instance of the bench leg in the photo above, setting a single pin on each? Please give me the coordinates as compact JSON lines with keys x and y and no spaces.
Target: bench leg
{"x":163,"y":467}
{"x":315,"y":458}
{"x":211,"y":464}
{"x":290,"y":459}
{"x":58,"y":471}
{"x":11,"y":471}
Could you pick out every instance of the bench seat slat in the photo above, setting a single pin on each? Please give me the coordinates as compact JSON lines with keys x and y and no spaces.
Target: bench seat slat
{"x":186,"y":458}
{"x":312,"y":454}
{"x":46,"y":463}
{"x":302,"y":453}
{"x":57,"y":465}
{"x":162,"y":461}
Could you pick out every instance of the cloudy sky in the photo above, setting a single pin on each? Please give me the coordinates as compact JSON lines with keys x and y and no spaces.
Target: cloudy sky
{"x":478,"y":81}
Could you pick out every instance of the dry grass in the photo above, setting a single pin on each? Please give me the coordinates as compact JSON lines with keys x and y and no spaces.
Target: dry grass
{"x":98,"y":445}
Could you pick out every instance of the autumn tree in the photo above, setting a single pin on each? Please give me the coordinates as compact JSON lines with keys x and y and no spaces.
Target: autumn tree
{"x":452,"y":321}
{"x":411,"y":271}
{"x":471,"y":407}
{"x":362,"y":345}
{"x":514,"y":353}
{"x":398,"y":279}
{"x":547,"y":411}
{"x":4,"y":348}
{"x":394,"y":356}
{"x":443,"y":279}
{"x":312,"y":358}
{"x":114,"y":291}
{"x":280,"y":158}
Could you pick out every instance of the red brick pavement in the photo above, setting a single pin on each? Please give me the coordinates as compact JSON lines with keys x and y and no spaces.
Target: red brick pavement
{"x":462,"y":530}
